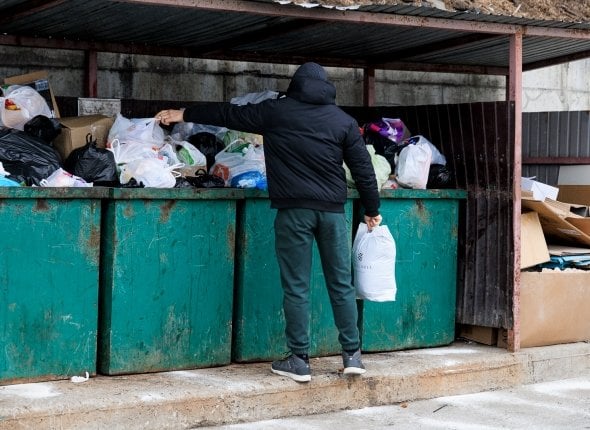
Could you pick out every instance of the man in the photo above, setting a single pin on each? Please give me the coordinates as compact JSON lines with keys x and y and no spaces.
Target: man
{"x":306,"y":140}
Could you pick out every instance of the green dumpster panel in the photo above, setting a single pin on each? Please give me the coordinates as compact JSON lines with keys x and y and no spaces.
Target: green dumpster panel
{"x":259,"y":323}
{"x":49,"y":280}
{"x":423,"y":315}
{"x":167,"y":281}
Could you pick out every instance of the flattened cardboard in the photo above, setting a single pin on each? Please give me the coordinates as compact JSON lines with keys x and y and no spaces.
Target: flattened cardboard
{"x":479,"y":334}
{"x":533,"y":247}
{"x":556,"y":224}
{"x":554,"y":307}
{"x":583,"y":224}
{"x":560,"y":250}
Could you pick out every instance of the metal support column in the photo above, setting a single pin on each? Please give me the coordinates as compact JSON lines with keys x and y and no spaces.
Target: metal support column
{"x":515,"y":96}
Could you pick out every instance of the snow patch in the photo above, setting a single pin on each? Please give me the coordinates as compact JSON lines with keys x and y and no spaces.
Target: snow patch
{"x":441,"y":351}
{"x":30,"y":391}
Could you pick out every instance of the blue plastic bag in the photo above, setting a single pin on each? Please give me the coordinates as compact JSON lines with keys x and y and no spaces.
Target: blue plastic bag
{"x":5,"y":182}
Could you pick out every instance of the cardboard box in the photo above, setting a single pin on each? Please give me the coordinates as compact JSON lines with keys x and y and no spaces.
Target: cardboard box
{"x":558,"y":223}
{"x":39,"y":81}
{"x":540,"y":190}
{"x":576,"y":194}
{"x":480,"y":334}
{"x":502,"y":338}
{"x":74,"y":131}
{"x":574,"y":184}
{"x":533,"y":247}
{"x":554,"y":307}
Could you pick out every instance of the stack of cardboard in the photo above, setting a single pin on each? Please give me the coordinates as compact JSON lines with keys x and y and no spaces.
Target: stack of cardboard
{"x":555,"y":229}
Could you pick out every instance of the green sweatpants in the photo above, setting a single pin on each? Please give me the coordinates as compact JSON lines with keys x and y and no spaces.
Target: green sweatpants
{"x":295,"y":231}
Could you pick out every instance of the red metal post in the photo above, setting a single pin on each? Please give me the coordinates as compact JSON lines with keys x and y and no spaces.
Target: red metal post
{"x":515,"y":96}
{"x":91,"y":78}
{"x":368,"y":87}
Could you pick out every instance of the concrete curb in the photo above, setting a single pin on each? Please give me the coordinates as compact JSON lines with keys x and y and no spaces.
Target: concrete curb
{"x":250,"y":392}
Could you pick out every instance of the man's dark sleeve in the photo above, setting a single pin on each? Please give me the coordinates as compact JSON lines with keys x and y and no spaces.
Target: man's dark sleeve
{"x":248,"y":118}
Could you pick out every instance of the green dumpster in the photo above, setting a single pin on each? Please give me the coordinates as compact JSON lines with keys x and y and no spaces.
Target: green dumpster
{"x":49,"y":281}
{"x":259,"y":322}
{"x":166,"y":279}
{"x":424,"y":224}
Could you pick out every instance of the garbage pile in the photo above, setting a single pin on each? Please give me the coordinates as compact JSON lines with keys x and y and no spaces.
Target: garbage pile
{"x":39,"y":150}
{"x":136,"y":152}
{"x":403,"y":160}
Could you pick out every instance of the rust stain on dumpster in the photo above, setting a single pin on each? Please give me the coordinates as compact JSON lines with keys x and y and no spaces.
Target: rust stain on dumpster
{"x":41,"y":205}
{"x":421,"y":212}
{"x":94,"y":238}
{"x":165,"y":210}
{"x":231,"y":239}
{"x":128,"y":211}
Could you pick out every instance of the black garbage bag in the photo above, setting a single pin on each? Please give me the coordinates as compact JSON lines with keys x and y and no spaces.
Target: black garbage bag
{"x":44,"y":128}
{"x":392,"y":151}
{"x":209,"y":145}
{"x":204,"y":180}
{"x":28,"y":158}
{"x":439,"y":176}
{"x":132,"y":184}
{"x":181,"y":182}
{"x":96,"y":165}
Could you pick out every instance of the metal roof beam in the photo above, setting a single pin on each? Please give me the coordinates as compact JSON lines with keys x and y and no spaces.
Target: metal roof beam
{"x":557,"y":60}
{"x":27,"y":8}
{"x":442,"y":68}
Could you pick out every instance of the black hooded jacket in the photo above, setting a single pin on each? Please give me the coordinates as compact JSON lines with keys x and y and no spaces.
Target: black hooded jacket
{"x":306,"y":140}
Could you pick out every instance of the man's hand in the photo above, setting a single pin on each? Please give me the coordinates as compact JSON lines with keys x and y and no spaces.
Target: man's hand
{"x":373,"y":221}
{"x":169,"y":116}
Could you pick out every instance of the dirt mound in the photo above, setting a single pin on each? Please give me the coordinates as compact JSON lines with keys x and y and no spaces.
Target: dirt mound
{"x":553,"y":10}
{"x":558,"y":10}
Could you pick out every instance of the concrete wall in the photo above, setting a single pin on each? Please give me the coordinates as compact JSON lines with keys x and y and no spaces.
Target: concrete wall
{"x":141,"y":77}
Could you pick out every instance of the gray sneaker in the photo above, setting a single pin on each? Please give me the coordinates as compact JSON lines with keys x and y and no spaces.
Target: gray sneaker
{"x":352,"y":363}
{"x":293,"y":367}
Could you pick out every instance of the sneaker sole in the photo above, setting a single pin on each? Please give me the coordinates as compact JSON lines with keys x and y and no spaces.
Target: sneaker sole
{"x":293,"y":376}
{"x":354,"y":371}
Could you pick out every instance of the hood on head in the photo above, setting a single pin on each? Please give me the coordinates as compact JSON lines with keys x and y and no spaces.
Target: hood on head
{"x":312,"y":71}
{"x":310,"y":85}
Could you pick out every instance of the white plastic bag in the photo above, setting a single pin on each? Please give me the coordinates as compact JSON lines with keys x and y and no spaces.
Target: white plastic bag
{"x":413,"y":165}
{"x":241,"y":158}
{"x":151,"y":172}
{"x":188,"y":154}
{"x":20,"y":104}
{"x":141,"y":130}
{"x":131,"y":151}
{"x":373,"y":263}
{"x":61,"y":178}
